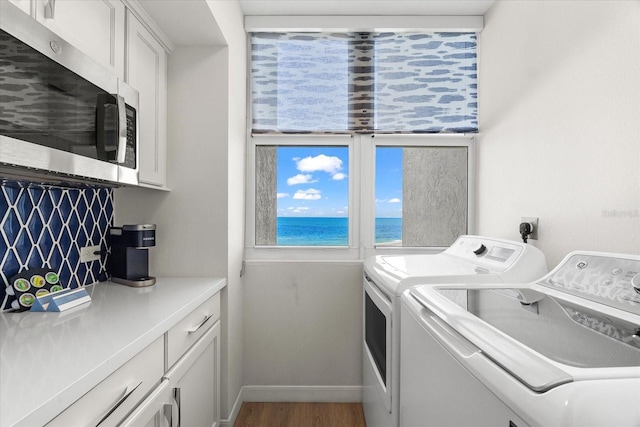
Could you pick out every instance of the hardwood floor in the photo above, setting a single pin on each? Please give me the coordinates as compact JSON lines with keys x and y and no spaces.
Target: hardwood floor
{"x":285,"y":414}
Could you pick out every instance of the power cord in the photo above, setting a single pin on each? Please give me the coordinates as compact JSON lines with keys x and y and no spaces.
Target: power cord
{"x":526,"y":228}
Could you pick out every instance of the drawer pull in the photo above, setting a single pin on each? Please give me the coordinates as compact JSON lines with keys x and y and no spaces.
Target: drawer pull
{"x":201,"y":324}
{"x":177,"y":396}
{"x":127,"y":392}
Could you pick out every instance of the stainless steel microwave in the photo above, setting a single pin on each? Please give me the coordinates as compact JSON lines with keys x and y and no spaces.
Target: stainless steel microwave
{"x":63,"y":117}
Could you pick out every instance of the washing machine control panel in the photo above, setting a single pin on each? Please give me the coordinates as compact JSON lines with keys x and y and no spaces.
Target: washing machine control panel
{"x":607,"y":279}
{"x":494,"y":254}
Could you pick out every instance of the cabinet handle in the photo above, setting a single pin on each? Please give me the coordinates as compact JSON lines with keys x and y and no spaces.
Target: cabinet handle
{"x":127,"y":392}
{"x":200,"y":325}
{"x":168,"y":413}
{"x":176,"y":397}
{"x":50,"y":9}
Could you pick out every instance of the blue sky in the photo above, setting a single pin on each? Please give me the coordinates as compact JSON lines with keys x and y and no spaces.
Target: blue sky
{"x":389,"y":182}
{"x":314,"y":181}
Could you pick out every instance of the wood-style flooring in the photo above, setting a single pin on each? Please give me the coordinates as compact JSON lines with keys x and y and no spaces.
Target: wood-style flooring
{"x":285,"y":414}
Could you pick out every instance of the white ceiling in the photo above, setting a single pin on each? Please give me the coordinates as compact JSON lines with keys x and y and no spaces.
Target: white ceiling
{"x":185,"y":22}
{"x":365,"y":7}
{"x":190,"y":22}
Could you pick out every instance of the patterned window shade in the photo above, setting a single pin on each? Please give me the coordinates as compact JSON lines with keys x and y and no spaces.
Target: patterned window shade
{"x":364,"y":82}
{"x":425,"y":83}
{"x":300,"y":82}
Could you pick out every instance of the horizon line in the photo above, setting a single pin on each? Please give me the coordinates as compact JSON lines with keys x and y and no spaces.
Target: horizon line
{"x":311,"y":216}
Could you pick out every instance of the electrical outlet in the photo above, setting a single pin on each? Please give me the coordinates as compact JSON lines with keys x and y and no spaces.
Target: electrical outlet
{"x":88,"y":253}
{"x":533,"y":221}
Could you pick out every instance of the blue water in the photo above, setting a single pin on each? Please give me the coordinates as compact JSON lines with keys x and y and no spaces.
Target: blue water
{"x":388,"y":230}
{"x":322,"y":231}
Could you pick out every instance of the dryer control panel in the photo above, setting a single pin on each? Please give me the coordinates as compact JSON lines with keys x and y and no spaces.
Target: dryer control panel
{"x":613,"y":280}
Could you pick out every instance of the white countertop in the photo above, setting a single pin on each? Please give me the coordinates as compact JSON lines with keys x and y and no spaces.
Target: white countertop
{"x":49,"y":360}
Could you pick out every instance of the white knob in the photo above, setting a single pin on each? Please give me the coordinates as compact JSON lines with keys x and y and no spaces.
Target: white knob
{"x":635,"y":282}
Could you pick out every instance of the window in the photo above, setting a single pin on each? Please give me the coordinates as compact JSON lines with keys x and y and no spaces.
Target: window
{"x":338,"y":155}
{"x":421,"y":195}
{"x":302,"y":195}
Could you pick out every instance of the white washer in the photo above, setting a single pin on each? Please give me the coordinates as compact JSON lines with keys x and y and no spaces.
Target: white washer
{"x":562,"y":351}
{"x":470,"y":259}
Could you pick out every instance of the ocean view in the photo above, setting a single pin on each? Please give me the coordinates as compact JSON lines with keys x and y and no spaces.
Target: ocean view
{"x":323,"y":231}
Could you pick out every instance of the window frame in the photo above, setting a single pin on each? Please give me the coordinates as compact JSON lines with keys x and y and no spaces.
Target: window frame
{"x":362,"y":147}
{"x":368,"y":196}
{"x":253,"y":251}
{"x":362,"y":156}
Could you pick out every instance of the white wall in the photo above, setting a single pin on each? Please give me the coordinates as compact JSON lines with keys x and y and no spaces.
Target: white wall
{"x":303,"y":324}
{"x":189,"y":242}
{"x":559,"y":99}
{"x":229,"y":17}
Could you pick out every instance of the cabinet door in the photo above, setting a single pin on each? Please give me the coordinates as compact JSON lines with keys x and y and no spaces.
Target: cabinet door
{"x":196,"y":384}
{"x":147,"y":73}
{"x":155,"y":411}
{"x":95,"y":27}
{"x":24,"y":5}
{"x":108,"y":402}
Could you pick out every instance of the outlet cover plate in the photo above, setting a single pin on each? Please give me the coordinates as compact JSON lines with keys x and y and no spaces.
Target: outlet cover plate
{"x":534,"y":222}
{"x":87,"y":254}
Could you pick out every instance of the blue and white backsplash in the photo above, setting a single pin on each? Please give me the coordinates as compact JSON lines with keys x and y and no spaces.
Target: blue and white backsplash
{"x":43,"y":226}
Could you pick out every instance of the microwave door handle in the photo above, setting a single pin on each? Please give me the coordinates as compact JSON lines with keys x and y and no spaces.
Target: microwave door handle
{"x":101,"y":144}
{"x":122,"y":130}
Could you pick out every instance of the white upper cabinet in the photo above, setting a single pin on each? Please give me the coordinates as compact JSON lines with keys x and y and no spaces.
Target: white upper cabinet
{"x":96,"y":27}
{"x":25,"y":5}
{"x":146,"y":65}
{"x":110,"y":32}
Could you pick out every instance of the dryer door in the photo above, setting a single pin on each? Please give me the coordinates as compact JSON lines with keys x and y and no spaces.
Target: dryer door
{"x":377,"y":337}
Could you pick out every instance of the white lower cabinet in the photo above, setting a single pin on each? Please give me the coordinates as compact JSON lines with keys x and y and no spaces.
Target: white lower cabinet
{"x":189,"y":393}
{"x":149,"y":391}
{"x":113,"y":398}
{"x":155,"y":411}
{"x":195,"y":383}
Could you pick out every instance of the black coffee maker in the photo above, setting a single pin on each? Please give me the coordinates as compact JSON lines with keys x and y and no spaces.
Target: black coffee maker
{"x":129,"y":260}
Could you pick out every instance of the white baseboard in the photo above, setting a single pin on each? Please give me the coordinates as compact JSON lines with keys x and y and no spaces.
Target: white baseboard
{"x":235,"y":410}
{"x":292,"y":393}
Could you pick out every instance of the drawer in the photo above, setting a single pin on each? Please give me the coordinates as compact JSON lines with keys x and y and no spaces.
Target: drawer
{"x":112,"y":399}
{"x":191,"y":328}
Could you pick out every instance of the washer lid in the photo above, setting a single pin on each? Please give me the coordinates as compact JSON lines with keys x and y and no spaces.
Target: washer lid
{"x":537,"y":338}
{"x":427,"y":265}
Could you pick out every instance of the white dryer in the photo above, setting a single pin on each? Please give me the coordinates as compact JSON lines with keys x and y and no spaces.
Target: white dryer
{"x":562,"y":351}
{"x":470,"y":259}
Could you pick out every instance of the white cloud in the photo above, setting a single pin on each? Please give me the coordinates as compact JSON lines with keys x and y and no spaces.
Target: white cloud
{"x":394,"y":200}
{"x":282,"y":195}
{"x":310,"y":194}
{"x":330,"y":165}
{"x":339,"y":176}
{"x":301,"y":179}
{"x":300,"y":209}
